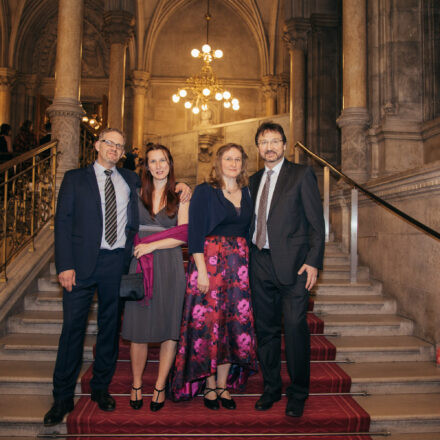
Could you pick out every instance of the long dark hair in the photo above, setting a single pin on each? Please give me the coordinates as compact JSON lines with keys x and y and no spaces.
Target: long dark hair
{"x":169,"y":196}
{"x":216,"y":175}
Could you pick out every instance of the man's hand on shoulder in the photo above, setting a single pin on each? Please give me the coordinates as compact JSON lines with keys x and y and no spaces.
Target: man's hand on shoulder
{"x":67,"y":279}
{"x":312,"y":275}
{"x":185,"y":192}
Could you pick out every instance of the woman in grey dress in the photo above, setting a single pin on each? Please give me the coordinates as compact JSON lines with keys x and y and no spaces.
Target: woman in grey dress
{"x":158,"y":319}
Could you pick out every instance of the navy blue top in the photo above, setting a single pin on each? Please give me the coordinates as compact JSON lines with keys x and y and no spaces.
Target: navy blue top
{"x":211,"y":213}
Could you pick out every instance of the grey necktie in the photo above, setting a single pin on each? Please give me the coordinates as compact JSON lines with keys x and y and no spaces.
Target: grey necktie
{"x":111,"y":221}
{"x":262,"y":213}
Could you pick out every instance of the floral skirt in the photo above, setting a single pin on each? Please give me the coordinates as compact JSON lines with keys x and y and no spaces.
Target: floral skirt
{"x":217,"y":327}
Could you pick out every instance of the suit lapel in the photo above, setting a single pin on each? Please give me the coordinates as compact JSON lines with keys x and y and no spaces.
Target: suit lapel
{"x":280,"y":185}
{"x":256,"y":184}
{"x":93,"y":183}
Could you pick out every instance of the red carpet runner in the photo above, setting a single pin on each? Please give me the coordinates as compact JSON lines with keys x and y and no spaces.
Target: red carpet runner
{"x":323,"y":413}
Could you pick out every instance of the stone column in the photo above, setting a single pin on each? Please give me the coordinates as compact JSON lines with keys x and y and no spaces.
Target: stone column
{"x":118,"y":25}
{"x":140,"y":81}
{"x":7,"y":78}
{"x":270,"y":90}
{"x":31,"y":84}
{"x":354,"y":118}
{"x":295,"y":35}
{"x":66,"y":111}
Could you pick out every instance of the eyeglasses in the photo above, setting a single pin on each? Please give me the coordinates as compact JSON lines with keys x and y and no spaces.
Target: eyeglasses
{"x":271,"y":142}
{"x":109,"y":143}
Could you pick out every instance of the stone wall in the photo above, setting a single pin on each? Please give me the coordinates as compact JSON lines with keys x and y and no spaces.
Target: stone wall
{"x":404,"y":258}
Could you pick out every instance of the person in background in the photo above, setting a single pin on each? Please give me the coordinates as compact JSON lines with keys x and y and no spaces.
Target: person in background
{"x":5,"y":143}
{"x":47,"y":137}
{"x":25,"y":139}
{"x":216,"y":349}
{"x":156,"y":318}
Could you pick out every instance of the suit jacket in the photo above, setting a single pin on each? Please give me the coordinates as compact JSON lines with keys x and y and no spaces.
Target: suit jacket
{"x":295,"y":224}
{"x":79,"y":222}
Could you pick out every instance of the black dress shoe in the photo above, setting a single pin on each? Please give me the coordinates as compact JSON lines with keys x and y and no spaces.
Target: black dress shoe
{"x":104,"y":400}
{"x":266,"y":401}
{"x":294,"y":408}
{"x":226,"y":403}
{"x":56,"y":414}
{"x":156,"y":406}
{"x":211,"y":404}
{"x":137,"y":404}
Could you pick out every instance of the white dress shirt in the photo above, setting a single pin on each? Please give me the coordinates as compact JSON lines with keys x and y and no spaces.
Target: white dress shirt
{"x":122,"y":191}
{"x":273,"y":181}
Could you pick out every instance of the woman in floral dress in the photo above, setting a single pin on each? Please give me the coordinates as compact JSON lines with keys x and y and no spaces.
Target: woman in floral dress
{"x":216,"y":349}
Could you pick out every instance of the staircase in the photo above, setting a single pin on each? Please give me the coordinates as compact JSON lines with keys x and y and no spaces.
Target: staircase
{"x":374,"y":345}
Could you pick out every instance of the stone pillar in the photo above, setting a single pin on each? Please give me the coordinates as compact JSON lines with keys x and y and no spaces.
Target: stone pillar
{"x":7,"y":78}
{"x":118,"y":25}
{"x":31,"y":84}
{"x":354,"y":118}
{"x":66,"y":111}
{"x":270,"y":90}
{"x":139,"y":80}
{"x":295,"y":35}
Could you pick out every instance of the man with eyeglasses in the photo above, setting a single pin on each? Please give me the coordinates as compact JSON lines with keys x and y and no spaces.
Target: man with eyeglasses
{"x":287,"y":234}
{"x":95,"y":222}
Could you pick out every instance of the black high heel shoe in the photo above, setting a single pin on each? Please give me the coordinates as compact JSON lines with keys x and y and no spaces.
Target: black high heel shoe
{"x":211,"y":404}
{"x":137,"y":404}
{"x":156,"y":406}
{"x":226,"y":403}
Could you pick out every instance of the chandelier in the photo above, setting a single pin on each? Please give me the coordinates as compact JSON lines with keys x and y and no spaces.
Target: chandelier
{"x":200,"y":89}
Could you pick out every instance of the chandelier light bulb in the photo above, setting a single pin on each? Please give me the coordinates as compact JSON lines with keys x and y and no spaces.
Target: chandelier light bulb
{"x":196,"y":110}
{"x":176,"y":98}
{"x":235,"y":107}
{"x":182,"y":93}
{"x":234,"y":101}
{"x":226,"y":94}
{"x":206,"y":91}
{"x":206,"y":48}
{"x":218,"y":53}
{"x":188,"y":104}
{"x":227,"y":104}
{"x":85,"y":119}
{"x":218,"y":96}
{"x":195,"y":53}
{"x":92,"y":122}
{"x":204,"y":107}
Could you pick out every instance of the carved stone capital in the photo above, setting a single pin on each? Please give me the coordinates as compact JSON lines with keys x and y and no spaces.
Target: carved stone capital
{"x":67,"y":107}
{"x":354,"y":116}
{"x":140,"y":81}
{"x":295,"y":33}
{"x":7,"y":78}
{"x":284,"y":80}
{"x":206,"y":141}
{"x":118,"y":26}
{"x":270,"y":86}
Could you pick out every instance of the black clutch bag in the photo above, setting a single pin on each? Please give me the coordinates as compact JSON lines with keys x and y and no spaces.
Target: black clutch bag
{"x":132,"y":287}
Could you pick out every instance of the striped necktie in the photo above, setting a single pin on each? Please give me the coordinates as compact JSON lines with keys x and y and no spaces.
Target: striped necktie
{"x":111,"y":222}
{"x":260,"y":239}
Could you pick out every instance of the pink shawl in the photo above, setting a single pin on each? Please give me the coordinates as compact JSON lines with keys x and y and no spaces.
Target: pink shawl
{"x":145,"y":263}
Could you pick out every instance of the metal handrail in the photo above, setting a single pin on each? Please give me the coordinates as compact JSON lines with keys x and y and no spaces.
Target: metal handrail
{"x":27,"y":200}
{"x":427,"y":229}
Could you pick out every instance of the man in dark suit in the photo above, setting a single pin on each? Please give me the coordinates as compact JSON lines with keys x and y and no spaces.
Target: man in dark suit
{"x":96,"y":220}
{"x":287,"y":234}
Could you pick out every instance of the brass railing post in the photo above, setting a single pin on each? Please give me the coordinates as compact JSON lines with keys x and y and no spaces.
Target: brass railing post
{"x":327,"y":203}
{"x":354,"y":236}
{"x":3,"y":277}
{"x":32,"y":211}
{"x":54,"y":183}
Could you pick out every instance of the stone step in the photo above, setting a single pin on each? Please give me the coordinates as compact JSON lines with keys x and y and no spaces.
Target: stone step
{"x":403,"y":412}
{"x":49,"y":322}
{"x":30,"y":377}
{"x":414,"y":436}
{"x":344,"y":287}
{"x":49,"y":301}
{"x":394,"y":377}
{"x":382,"y":349}
{"x":49,"y":284}
{"x":342,"y":272}
{"x":353,"y":304}
{"x":23,"y":416}
{"x":370,"y":324}
{"x":37,"y":347}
